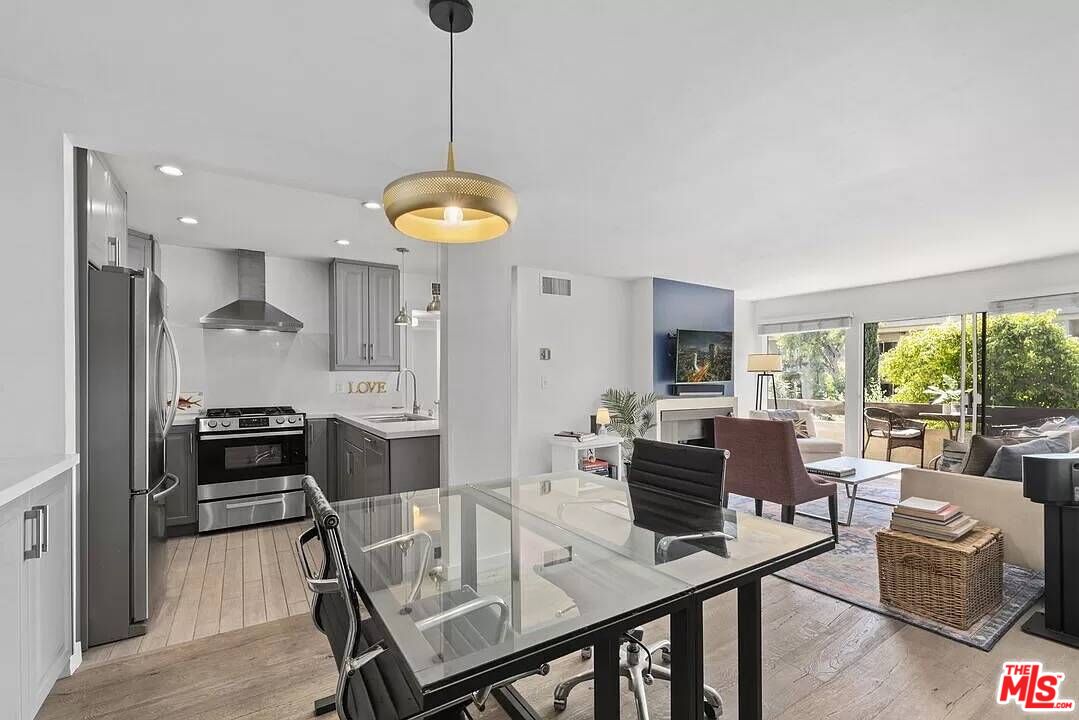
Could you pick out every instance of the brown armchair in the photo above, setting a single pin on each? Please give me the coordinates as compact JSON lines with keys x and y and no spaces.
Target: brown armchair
{"x":765,"y":464}
{"x":897,"y":430}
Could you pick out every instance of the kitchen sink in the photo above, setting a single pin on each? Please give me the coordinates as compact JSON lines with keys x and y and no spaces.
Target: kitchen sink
{"x":396,"y":418}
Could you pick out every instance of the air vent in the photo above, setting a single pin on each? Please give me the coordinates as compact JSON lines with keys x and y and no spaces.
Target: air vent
{"x":556,"y":286}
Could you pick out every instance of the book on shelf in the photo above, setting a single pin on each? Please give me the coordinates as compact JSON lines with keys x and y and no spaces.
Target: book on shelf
{"x":594,"y":464}
{"x":577,"y":435}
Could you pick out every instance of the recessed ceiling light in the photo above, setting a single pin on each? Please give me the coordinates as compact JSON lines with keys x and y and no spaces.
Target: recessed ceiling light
{"x":342,"y":241}
{"x":372,"y":205}
{"x":186,"y":220}
{"x":170,"y":170}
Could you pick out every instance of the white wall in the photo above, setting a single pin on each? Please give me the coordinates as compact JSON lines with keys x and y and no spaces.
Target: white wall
{"x":925,"y":297}
{"x":250,"y":368}
{"x":590,"y":338}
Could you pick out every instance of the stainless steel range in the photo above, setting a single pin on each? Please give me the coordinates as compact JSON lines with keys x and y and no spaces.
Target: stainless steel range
{"x":251,"y":465}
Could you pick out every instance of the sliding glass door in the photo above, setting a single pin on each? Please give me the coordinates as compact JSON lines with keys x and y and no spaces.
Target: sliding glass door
{"x":922,"y":382}
{"x":1032,"y":363}
{"x":814,"y":376}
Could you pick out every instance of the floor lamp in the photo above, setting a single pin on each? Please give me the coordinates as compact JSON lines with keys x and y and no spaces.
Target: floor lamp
{"x":766,"y":365}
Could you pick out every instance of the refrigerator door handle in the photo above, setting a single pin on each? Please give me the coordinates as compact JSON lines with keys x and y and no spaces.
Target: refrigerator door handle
{"x":170,"y":414}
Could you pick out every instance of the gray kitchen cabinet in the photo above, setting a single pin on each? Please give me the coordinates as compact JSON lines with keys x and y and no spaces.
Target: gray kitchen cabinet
{"x":142,"y":251}
{"x":318,"y":457}
{"x":350,"y":461}
{"x":181,"y":505}
{"x":369,"y":465}
{"x":364,"y":298}
{"x":36,"y":594}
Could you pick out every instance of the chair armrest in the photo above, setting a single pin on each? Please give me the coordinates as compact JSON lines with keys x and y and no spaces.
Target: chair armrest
{"x":665,"y":543}
{"x":405,"y":541}
{"x":466,"y":608}
{"x":317,"y":585}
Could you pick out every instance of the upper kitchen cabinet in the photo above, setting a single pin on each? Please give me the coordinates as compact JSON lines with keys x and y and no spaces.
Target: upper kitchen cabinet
{"x":364,"y":298}
{"x":106,"y":214}
{"x":142,"y":251}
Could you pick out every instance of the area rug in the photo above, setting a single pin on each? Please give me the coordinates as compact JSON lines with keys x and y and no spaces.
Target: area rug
{"x":850,"y":572}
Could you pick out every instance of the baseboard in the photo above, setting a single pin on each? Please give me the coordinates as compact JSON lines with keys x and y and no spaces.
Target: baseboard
{"x":75,"y":660}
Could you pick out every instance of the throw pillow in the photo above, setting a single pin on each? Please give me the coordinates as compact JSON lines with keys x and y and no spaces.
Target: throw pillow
{"x":953,"y":456}
{"x":980,"y":456}
{"x":801,"y":430}
{"x":1008,"y":463}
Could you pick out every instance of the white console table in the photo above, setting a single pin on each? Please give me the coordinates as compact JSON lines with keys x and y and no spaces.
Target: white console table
{"x":566,"y":453}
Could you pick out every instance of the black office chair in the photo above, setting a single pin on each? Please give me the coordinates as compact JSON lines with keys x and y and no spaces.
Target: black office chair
{"x":672,"y":474}
{"x":371,"y":683}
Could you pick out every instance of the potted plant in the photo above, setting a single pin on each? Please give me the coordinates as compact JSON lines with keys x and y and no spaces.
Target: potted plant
{"x":632,"y":416}
{"x":947,"y":394}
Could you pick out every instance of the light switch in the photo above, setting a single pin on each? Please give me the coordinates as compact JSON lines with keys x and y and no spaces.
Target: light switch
{"x":545,"y":353}
{"x":545,"y":382}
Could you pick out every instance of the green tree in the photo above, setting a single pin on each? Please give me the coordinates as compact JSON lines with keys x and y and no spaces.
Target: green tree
{"x":871,"y":363}
{"x":813,"y":364}
{"x":1032,"y":362}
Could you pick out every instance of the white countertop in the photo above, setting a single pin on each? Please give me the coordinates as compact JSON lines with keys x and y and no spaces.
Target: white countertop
{"x":20,"y":475}
{"x":386,"y":431}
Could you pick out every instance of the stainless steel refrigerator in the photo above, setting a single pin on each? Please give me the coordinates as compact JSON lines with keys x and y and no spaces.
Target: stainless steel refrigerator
{"x":133,"y":387}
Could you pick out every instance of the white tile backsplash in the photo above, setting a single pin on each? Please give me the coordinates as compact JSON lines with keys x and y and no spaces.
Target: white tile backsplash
{"x":256,"y":368}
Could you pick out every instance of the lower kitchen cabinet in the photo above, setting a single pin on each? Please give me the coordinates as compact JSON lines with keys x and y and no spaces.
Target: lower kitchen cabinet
{"x":318,"y":456}
{"x":35,"y":592}
{"x":368,"y":465}
{"x":182,"y":506}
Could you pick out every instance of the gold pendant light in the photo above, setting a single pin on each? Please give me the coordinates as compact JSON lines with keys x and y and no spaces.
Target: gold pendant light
{"x":448,"y":206}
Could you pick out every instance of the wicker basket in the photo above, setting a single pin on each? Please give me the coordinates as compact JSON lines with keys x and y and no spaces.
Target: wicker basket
{"x":955,"y":583}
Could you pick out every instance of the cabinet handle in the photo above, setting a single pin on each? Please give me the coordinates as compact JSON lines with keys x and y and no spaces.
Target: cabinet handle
{"x":363,"y":351}
{"x":348,"y":464}
{"x":371,"y":351}
{"x":114,"y":251}
{"x":35,"y":548}
{"x":43,"y":513}
{"x":191,"y":443}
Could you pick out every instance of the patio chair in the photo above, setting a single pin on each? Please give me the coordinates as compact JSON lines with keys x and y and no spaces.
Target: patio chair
{"x":897,"y":430}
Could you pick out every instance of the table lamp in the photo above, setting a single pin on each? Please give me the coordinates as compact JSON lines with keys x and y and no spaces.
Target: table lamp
{"x":766,"y":365}
{"x":603,"y":419}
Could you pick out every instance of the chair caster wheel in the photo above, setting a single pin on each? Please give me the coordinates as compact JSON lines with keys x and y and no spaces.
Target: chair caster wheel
{"x":709,"y":712}
{"x":665,"y":656}
{"x":586,"y":654}
{"x":559,"y":705}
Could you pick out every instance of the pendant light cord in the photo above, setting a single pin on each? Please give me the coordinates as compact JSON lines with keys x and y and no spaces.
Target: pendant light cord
{"x":451,"y":76}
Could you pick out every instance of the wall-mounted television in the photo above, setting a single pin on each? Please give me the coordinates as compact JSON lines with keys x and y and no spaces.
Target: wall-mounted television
{"x":702,"y":356}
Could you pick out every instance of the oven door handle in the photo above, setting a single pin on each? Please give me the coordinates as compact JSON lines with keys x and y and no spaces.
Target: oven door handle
{"x":254,"y":503}
{"x":209,"y":436}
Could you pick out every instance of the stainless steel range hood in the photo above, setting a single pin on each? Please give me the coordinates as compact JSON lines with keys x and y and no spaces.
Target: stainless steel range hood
{"x":251,"y":311}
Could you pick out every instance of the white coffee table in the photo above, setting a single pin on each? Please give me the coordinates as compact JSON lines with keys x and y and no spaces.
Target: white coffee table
{"x":865,"y":470}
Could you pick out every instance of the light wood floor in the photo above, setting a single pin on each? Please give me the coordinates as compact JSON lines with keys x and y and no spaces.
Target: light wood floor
{"x":823,"y":659}
{"x":220,"y":582}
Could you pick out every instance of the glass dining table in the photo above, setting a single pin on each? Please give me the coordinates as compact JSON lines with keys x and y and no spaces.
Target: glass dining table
{"x":473,"y":585}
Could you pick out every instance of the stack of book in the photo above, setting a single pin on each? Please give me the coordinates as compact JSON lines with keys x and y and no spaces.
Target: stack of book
{"x":576,"y":435}
{"x":596,"y":466}
{"x":931,"y":518}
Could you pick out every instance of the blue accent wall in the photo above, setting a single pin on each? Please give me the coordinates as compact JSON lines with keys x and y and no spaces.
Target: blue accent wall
{"x":686,"y":306}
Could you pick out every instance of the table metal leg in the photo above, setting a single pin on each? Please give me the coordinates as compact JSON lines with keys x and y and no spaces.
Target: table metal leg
{"x":750,"y":694}
{"x":687,"y":661}
{"x":850,"y":505}
{"x":515,"y":706}
{"x":606,"y":704}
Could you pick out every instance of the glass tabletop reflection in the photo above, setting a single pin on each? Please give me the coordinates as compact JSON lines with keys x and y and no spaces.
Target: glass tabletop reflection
{"x":694,"y":542}
{"x":460,"y":578}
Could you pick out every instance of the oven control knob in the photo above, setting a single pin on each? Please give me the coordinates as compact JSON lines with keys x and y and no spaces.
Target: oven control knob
{"x":211,"y":423}
{"x":226,"y":423}
{"x":293,"y":419}
{"x":280,"y":421}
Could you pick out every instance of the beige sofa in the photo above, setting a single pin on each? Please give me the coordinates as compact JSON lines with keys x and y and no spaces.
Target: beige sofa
{"x":812,"y":448}
{"x":998,"y":503}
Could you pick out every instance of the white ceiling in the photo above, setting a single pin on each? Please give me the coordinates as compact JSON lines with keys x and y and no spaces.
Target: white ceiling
{"x":773,"y":147}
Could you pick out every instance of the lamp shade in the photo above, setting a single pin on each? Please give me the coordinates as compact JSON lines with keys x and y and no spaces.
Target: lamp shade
{"x":764,"y":363}
{"x":603,"y":416}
